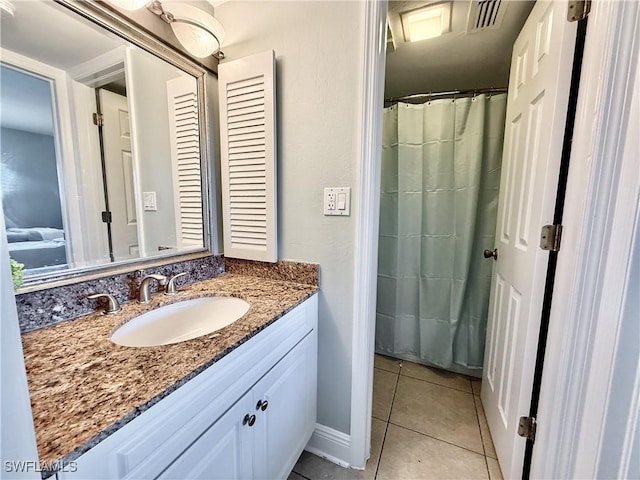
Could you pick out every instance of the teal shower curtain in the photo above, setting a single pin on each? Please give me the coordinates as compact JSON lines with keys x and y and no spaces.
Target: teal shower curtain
{"x":438,"y":206}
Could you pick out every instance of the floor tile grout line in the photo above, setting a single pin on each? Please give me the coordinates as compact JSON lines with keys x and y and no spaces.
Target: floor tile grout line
{"x":475,"y":405}
{"x":294,"y":468}
{"x":490,"y":440}
{"x":387,"y":370}
{"x":399,"y":365}
{"x":384,"y":437}
{"x":399,"y":372}
{"x":386,"y":426}
{"x":439,"y":439}
{"x":381,"y":419}
{"x":486,"y":463}
{"x":434,"y":383}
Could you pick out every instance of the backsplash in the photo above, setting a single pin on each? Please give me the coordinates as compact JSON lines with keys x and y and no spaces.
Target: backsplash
{"x":283,"y":270}
{"x":46,"y":307}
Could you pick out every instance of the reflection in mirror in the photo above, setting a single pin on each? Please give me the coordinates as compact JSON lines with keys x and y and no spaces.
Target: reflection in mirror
{"x":30,"y":189}
{"x":100,"y":140}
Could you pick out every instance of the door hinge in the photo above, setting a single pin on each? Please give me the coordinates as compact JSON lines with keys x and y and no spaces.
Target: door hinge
{"x":106,"y":217}
{"x":550,"y":237}
{"x":578,"y":10}
{"x":98,"y":119}
{"x":527,"y":428}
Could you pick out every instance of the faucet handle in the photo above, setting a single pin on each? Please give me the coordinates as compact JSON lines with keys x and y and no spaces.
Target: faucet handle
{"x":171,"y":288}
{"x":162,"y":280}
{"x":113,"y":305}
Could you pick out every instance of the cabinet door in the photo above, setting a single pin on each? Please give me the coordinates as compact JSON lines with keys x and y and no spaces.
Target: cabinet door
{"x":285,"y":426}
{"x":223,"y":452}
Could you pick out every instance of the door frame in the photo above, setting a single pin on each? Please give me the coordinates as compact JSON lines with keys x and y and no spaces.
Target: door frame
{"x":367,"y":215}
{"x":602,"y":116}
{"x":66,"y":155}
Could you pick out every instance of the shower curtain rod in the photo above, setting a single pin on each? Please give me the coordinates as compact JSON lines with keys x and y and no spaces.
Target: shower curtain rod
{"x":453,"y":93}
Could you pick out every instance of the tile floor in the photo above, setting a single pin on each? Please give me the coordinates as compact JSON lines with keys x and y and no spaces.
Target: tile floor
{"x":427,"y":424}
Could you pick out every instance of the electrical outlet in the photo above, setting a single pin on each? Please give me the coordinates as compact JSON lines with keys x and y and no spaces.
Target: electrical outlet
{"x":331,"y":200}
{"x":337,"y":201}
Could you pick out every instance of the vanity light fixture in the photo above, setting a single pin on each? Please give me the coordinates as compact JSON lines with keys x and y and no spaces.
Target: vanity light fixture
{"x":6,"y":7}
{"x":197,"y":30}
{"x":426,"y":22}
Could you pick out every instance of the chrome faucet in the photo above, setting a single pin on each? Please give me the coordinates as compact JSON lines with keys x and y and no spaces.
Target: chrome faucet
{"x":171,"y":288}
{"x":112,"y":306}
{"x":144,"y":296}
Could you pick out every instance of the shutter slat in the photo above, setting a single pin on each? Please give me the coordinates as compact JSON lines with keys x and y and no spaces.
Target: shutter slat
{"x":236,"y":85}
{"x":259,"y":129}
{"x":256,"y":118}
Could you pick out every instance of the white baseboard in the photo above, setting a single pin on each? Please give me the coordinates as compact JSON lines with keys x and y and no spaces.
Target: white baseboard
{"x":331,"y":444}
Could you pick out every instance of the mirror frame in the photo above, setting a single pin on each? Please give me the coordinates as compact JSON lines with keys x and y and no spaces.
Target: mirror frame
{"x":124,"y":27}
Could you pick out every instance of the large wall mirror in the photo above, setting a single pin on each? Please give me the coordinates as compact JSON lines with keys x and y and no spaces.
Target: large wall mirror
{"x":103,"y":147}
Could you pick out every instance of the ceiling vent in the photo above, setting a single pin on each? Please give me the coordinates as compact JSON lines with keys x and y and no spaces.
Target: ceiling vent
{"x":485,"y":14}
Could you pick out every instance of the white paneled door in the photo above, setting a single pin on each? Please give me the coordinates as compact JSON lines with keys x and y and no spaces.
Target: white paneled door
{"x":119,"y":175}
{"x":536,"y":113}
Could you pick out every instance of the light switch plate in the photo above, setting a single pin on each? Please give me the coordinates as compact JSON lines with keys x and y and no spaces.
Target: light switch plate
{"x":149,"y":201}
{"x":337,"y":201}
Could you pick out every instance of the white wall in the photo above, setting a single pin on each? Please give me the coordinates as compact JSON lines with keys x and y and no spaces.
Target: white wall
{"x":17,"y":436}
{"x":318,"y":49}
{"x":149,"y":117}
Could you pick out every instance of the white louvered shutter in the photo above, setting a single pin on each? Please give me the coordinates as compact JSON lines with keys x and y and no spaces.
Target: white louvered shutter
{"x":185,"y":155}
{"x":248,"y":151}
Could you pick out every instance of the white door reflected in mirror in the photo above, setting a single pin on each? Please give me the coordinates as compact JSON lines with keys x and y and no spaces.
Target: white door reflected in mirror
{"x":118,"y":176}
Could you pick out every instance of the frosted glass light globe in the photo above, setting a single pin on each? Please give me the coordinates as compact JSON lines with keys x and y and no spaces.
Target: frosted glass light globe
{"x":195,"y":36}
{"x":129,"y":4}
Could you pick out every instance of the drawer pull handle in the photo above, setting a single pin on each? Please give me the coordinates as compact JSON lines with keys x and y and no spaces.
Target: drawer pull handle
{"x":249,"y":419}
{"x":262,"y":405}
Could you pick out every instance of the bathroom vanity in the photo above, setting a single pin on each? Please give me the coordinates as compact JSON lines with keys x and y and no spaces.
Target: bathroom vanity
{"x":238,"y":403}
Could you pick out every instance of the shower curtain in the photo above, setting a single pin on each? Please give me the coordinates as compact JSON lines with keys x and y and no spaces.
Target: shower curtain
{"x":438,"y":206}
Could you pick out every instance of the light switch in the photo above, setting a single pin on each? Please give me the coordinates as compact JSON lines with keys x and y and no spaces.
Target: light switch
{"x":149,"y":201}
{"x":337,"y":201}
{"x":342,"y":201}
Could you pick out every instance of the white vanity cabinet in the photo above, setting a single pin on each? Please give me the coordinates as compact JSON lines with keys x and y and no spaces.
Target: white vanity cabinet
{"x":247,"y":416}
{"x":289,"y":415}
{"x":223,"y":452}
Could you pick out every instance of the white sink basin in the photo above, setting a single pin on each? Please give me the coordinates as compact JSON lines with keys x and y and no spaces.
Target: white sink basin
{"x":180,"y":321}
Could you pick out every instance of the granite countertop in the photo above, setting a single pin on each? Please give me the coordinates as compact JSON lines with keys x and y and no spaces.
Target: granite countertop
{"x":83,"y":387}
